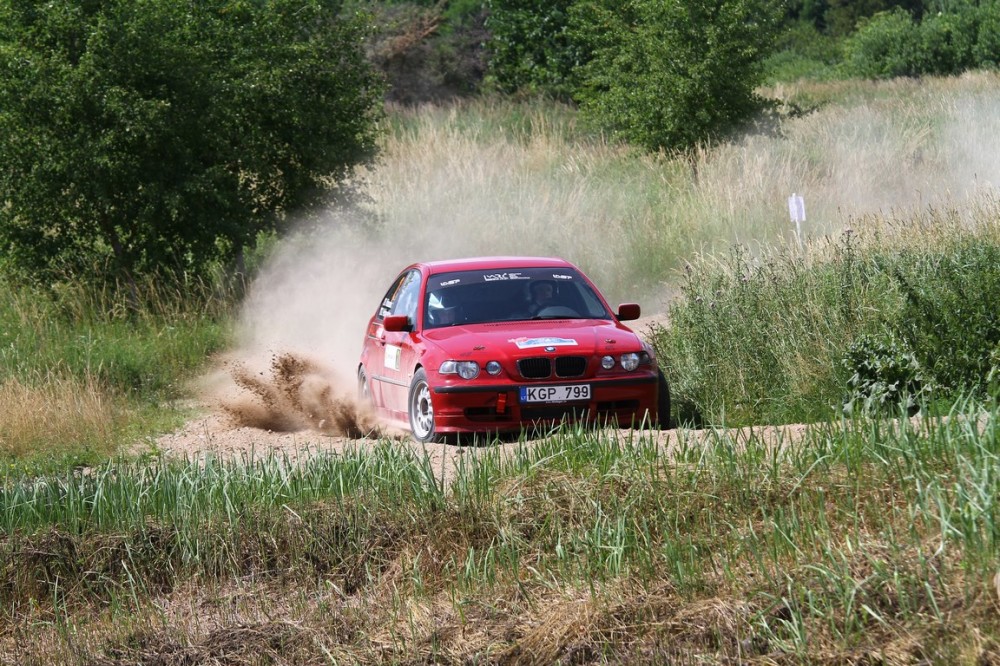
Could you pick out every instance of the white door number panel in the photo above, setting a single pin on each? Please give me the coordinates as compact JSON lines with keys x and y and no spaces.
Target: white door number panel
{"x":392,"y":353}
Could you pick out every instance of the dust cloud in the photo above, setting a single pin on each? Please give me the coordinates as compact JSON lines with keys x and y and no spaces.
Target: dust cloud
{"x":297,"y":394}
{"x":445,"y":192}
{"x":300,"y":333}
{"x":299,"y":338}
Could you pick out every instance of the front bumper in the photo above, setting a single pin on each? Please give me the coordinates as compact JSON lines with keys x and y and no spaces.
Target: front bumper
{"x":625,"y":401}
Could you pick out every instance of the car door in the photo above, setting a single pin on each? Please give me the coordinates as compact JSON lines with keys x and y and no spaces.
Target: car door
{"x":400,"y":349}
{"x":375,"y":344}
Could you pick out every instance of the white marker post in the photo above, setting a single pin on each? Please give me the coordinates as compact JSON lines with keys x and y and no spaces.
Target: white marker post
{"x":797,"y":211}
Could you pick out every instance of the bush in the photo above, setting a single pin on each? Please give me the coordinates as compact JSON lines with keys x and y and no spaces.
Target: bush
{"x":986,"y":50}
{"x":946,"y":43}
{"x":671,"y":75}
{"x":884,"y":376}
{"x":804,"y":53}
{"x":950,"y":316}
{"x":164,"y":135}
{"x":789,"y":338}
{"x":883,"y":47}
{"x":892,"y":44}
{"x":531,"y":47}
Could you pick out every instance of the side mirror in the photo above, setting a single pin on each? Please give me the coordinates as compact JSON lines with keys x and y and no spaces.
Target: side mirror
{"x":628,"y":311}
{"x":396,"y":323}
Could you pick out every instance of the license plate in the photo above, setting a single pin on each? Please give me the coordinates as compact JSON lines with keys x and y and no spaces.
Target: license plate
{"x":562,"y":393}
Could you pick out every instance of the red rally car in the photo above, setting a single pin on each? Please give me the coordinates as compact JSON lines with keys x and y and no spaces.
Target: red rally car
{"x":496,"y":344}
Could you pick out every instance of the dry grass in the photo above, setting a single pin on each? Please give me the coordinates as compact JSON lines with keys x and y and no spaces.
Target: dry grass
{"x":57,"y":414}
{"x":813,"y":553}
{"x":495,"y":178}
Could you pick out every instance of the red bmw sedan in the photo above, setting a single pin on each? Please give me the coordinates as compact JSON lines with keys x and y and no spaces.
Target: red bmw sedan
{"x":497,"y":344}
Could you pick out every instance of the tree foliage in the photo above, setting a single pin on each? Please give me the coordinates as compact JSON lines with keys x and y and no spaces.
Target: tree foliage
{"x":663,"y":75}
{"x":532,"y":46}
{"x":150,"y":134}
{"x":667,"y":75}
{"x":894,"y":43}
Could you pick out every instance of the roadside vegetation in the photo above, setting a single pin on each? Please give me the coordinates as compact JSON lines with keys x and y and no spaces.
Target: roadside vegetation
{"x":889,"y":312}
{"x":84,"y":372}
{"x":858,"y":540}
{"x":866,"y":536}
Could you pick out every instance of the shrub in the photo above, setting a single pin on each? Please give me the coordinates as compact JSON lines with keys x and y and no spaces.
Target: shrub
{"x":144,"y":136}
{"x":531,"y":47}
{"x":873,"y":326}
{"x":884,"y":376}
{"x":946,"y":43}
{"x":804,"y":53}
{"x":671,"y":75}
{"x":882,"y":47}
{"x":949,"y":315}
{"x":986,"y":50}
{"x":892,"y":44}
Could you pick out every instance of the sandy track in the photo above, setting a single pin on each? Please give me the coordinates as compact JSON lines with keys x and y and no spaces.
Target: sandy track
{"x":295,"y":404}
{"x":216,"y":434}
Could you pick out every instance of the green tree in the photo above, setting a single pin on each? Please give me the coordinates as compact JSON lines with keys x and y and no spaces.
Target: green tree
{"x":670,"y":74}
{"x":883,"y":47}
{"x":986,"y":51}
{"x":842,"y":17}
{"x":163,"y":134}
{"x":531,"y":46}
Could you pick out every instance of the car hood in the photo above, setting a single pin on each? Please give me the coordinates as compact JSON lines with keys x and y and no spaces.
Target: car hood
{"x":521,"y":339}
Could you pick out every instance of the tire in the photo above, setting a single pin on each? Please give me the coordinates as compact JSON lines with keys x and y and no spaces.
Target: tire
{"x":421,"y":409}
{"x":662,"y":402}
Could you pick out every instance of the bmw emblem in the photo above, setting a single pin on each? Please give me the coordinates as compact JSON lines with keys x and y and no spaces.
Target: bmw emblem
{"x":550,"y":349}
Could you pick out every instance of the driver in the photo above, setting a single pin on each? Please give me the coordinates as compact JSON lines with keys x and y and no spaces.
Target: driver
{"x":543,"y":295}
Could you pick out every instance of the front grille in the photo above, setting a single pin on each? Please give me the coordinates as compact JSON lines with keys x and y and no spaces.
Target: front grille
{"x":534,"y":368}
{"x":541,"y":367}
{"x":571,"y":366}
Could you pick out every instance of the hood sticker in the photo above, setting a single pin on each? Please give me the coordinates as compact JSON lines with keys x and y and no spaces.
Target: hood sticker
{"x":530,"y":343}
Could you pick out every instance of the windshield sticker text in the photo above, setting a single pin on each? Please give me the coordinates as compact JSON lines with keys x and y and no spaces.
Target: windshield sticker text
{"x":493,"y":277}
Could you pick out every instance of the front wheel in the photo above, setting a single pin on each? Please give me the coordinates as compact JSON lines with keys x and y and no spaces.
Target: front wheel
{"x":662,"y":402}
{"x":421,"y":409}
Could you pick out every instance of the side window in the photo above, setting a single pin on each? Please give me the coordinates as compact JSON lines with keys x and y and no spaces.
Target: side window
{"x":408,"y":296}
{"x":390,"y":298}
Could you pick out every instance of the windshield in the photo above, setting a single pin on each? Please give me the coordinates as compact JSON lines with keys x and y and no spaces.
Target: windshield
{"x":477,"y":297}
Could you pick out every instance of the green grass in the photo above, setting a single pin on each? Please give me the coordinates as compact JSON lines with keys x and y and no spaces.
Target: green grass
{"x":859,"y":534}
{"x":895,"y":311}
{"x":869,"y":538}
{"x":83,"y":374}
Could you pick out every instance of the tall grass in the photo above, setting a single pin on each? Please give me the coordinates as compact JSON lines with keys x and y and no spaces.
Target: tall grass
{"x":842,"y":542}
{"x":76,"y":413}
{"x":895,"y":310}
{"x":74,"y":357}
{"x":491,"y":177}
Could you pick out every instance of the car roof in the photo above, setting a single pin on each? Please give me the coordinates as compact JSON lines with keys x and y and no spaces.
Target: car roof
{"x":489,"y":263}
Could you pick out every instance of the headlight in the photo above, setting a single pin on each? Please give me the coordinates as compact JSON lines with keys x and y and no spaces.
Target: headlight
{"x":464,"y":369}
{"x":630,"y":361}
{"x":493,"y":367}
{"x":608,"y":362}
